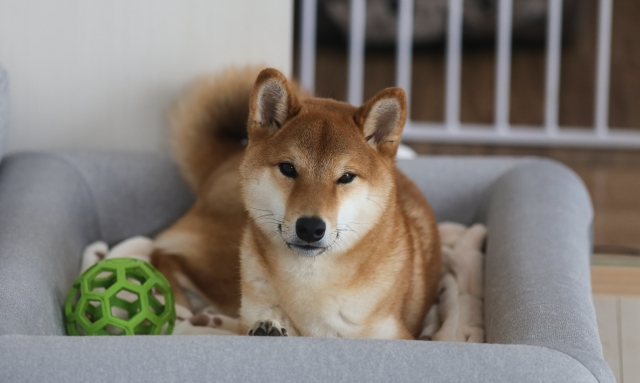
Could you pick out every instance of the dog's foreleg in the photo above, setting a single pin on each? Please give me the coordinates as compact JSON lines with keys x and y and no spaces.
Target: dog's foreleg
{"x":260,"y":311}
{"x":260,"y":315}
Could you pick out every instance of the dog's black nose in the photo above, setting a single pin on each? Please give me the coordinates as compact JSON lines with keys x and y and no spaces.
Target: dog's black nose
{"x":310,"y":229}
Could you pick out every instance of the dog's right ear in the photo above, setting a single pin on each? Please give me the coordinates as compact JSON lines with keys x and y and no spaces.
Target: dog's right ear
{"x":273,"y":102}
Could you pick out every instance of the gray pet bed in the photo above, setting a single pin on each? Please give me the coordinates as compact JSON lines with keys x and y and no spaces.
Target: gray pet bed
{"x":540,"y":321}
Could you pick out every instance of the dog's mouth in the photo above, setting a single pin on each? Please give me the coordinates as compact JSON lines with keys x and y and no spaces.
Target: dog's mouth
{"x":306,"y":250}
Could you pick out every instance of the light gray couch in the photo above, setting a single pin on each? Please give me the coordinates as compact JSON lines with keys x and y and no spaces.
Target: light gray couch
{"x":540,"y":321}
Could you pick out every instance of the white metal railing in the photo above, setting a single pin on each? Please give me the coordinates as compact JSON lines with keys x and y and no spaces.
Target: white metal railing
{"x":604,"y":61}
{"x":356,"y":51}
{"x":503,"y":71}
{"x":501,"y":131}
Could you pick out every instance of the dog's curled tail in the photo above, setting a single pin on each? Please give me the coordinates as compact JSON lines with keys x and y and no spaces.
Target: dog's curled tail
{"x":209,"y":123}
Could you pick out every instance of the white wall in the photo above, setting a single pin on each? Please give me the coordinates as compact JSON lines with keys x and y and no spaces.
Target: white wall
{"x":102,"y":74}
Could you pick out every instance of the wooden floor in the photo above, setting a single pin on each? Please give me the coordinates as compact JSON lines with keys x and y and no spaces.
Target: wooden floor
{"x":619,"y":327}
{"x":615,"y":281}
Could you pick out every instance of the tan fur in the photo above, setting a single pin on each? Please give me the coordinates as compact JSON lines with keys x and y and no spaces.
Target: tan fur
{"x":378,"y":265}
{"x":208,"y":123}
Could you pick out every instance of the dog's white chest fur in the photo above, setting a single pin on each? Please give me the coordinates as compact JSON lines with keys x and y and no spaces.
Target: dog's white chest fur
{"x":327,"y":316}
{"x":341,"y":317}
{"x":320,"y":309}
{"x":313,"y":294}
{"x":310,"y":301}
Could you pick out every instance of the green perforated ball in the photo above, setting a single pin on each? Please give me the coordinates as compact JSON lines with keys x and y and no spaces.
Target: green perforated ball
{"x":117,"y":296}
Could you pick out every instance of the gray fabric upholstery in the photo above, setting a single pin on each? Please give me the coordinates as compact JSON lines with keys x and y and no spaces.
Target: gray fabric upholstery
{"x":538,"y":309}
{"x":458,"y":188}
{"x":538,"y":288}
{"x":53,"y":205}
{"x":4,"y":110}
{"x":132,"y":192}
{"x":245,"y":359}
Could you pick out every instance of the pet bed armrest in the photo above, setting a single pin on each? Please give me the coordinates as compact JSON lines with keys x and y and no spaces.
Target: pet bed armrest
{"x":46,"y":217}
{"x":537,"y":286}
{"x":53,"y":205}
{"x":271,"y":359}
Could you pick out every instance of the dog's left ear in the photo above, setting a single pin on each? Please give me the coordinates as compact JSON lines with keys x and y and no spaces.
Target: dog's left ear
{"x":273,"y":102}
{"x":382,"y":120}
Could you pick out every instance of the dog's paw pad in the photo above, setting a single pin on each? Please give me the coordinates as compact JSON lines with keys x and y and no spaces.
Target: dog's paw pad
{"x":268,"y":328}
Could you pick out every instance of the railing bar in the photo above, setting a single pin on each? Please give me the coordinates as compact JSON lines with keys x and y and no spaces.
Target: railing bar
{"x":522,"y":135}
{"x":454,"y":57}
{"x":601,"y":118}
{"x":356,"y":51}
{"x":404,"y":50}
{"x":503,"y":66}
{"x":554,"y":46}
{"x":308,"y":45}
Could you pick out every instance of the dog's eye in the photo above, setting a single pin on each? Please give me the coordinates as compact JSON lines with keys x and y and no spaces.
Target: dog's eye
{"x":288,"y":170}
{"x":346,"y":178}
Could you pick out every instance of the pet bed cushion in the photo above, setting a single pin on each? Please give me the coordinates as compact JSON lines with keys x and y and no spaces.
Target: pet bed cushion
{"x":539,"y":318}
{"x":456,"y":315}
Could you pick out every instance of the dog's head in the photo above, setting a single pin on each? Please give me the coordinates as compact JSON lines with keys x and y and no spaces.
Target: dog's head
{"x":318,"y":174}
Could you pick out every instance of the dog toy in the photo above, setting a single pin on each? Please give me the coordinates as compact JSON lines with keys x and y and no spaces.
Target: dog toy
{"x":120,"y":296}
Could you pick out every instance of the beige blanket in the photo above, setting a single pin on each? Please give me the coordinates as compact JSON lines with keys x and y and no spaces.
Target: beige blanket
{"x":456,"y":317}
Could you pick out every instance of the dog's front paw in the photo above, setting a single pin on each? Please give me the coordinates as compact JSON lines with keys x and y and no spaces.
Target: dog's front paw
{"x":268,"y":328}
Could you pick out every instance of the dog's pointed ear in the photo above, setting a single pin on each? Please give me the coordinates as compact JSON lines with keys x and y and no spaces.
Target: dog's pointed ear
{"x":382,"y":120}
{"x":273,"y":102}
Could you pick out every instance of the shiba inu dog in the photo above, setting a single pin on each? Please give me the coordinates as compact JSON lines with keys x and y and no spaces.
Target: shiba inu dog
{"x":310,"y":229}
